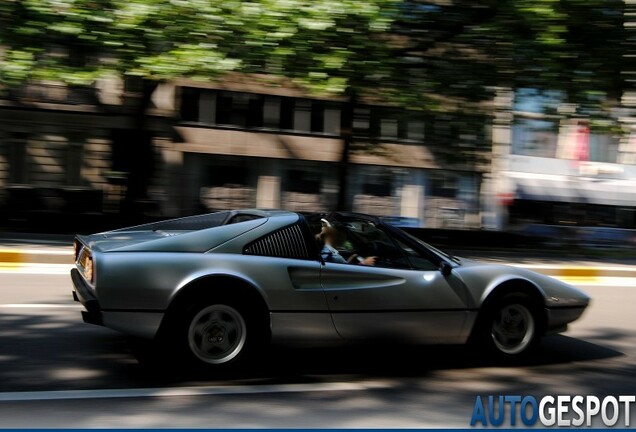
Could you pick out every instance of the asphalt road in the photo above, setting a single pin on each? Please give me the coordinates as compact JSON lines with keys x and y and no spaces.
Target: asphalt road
{"x":46,"y":351}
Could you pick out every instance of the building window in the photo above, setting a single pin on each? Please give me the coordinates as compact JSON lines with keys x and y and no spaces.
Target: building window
{"x":331,"y":123}
{"x":249,"y":110}
{"x":74,"y":164}
{"x":303,"y":181}
{"x":224,"y":108}
{"x":389,"y":128}
{"x":190,"y":104}
{"x":362,"y":122}
{"x":388,"y":124}
{"x":415,"y":130}
{"x":603,"y":148}
{"x":529,"y":100}
{"x":317,"y":116}
{"x":243,"y":110}
{"x":222,"y":175}
{"x":444,"y":186}
{"x":532,"y":137}
{"x":18,"y":167}
{"x":207,"y":107}
{"x":271,"y":112}
{"x":255,"y":111}
{"x":302,"y":115}
{"x":378,"y":184}
{"x":228,"y":186}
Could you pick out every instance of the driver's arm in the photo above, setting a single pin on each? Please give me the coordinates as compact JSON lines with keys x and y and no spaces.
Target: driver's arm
{"x":355,"y":259}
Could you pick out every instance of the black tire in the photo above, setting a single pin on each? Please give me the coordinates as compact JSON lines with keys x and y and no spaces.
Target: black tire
{"x":216,"y":334}
{"x":509,"y":328}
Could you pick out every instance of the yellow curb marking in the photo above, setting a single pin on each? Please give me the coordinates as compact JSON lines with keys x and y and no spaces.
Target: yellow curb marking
{"x":10,"y":266}
{"x":11,"y":259}
{"x":579,"y":279}
{"x":585,"y":272}
{"x":11,"y":256}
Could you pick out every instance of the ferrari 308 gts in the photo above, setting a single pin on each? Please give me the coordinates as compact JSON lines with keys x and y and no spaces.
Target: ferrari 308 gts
{"x":215,"y":288}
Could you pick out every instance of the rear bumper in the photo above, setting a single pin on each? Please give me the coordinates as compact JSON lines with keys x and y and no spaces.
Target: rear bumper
{"x":140,"y":323}
{"x":559,"y":318}
{"x":83,"y":294}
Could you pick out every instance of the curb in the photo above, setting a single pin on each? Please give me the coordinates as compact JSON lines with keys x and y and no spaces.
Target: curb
{"x":13,"y":257}
{"x":566,"y":272}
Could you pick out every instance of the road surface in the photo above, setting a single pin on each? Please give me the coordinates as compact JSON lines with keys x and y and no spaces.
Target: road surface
{"x":47,"y":354}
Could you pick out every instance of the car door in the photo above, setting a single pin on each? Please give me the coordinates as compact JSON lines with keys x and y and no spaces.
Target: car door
{"x":404,"y":297}
{"x":286,"y":264}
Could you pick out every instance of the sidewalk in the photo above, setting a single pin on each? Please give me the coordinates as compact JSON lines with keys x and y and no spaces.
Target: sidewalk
{"x":27,"y":251}
{"x":20,"y":248}
{"x":574,"y":268}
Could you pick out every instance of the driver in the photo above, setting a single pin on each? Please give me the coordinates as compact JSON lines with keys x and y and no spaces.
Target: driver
{"x":333,"y":236}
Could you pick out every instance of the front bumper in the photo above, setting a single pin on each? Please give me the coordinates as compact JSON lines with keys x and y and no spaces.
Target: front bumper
{"x":83,"y":294}
{"x":558,"y":318}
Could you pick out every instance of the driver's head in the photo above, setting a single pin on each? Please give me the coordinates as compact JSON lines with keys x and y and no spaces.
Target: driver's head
{"x":334,"y":234}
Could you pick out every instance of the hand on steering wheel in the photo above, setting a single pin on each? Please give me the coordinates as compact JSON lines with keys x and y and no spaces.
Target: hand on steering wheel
{"x":369,"y":261}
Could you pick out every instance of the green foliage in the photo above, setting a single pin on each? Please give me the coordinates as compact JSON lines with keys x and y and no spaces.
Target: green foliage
{"x":428,"y":55}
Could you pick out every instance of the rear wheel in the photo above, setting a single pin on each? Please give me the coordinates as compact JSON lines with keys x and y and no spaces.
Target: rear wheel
{"x":216,"y":333}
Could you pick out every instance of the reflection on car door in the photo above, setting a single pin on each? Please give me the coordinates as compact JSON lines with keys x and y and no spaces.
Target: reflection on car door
{"x":299,"y":310}
{"x":397,"y":304}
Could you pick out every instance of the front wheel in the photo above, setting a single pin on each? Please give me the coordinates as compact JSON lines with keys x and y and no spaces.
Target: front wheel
{"x":510,"y":328}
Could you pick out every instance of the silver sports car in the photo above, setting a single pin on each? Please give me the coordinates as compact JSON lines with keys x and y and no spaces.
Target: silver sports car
{"x":214,"y":288}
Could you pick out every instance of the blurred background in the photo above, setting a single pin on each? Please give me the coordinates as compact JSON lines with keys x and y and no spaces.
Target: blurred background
{"x":500,"y":130}
{"x":515,"y":116}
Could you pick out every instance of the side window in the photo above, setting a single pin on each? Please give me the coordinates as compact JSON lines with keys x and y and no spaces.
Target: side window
{"x":359,"y":239}
{"x":368,"y":240}
{"x":418,"y":261}
{"x":242,"y":218}
{"x":287,"y":242}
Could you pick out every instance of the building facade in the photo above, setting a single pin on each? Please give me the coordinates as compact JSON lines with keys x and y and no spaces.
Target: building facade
{"x":226,"y":145}
{"x":281,"y":149}
{"x":57,"y":148}
{"x":550,"y":168}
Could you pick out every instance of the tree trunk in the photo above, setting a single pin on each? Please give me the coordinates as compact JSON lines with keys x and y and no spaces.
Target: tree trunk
{"x":346,"y":134}
{"x":140,"y":155}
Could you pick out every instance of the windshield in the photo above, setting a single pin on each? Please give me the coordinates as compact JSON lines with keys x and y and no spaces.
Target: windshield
{"x":433,"y":248}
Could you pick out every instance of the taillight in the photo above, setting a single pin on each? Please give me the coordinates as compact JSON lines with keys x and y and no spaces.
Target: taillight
{"x":77,"y":246}
{"x":89,"y":269}
{"x":86,"y":264}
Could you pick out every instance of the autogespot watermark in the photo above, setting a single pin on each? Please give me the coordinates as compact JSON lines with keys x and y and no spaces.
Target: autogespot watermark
{"x":560,"y":410}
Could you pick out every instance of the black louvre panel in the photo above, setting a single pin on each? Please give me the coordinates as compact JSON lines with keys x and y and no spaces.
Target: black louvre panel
{"x":285,"y":243}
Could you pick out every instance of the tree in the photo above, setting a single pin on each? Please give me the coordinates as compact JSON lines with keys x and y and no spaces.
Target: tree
{"x":329,"y":47}
{"x":320,"y":44}
{"x":445,"y":59}
{"x":465,"y":49}
{"x":442,"y":58}
{"x":79,"y":41}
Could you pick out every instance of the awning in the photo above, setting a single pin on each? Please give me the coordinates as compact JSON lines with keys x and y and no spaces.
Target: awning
{"x":574,"y":189}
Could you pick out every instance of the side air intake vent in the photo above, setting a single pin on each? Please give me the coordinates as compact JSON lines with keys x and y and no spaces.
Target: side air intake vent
{"x":284,"y":243}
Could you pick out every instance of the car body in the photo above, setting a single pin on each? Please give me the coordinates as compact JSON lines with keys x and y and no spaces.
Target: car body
{"x":236,"y":276}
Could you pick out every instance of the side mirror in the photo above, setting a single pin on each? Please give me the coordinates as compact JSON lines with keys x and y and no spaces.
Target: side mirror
{"x":445,"y":268}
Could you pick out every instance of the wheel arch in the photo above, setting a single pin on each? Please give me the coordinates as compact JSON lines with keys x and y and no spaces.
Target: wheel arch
{"x":226,"y":287}
{"x":515,"y":285}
